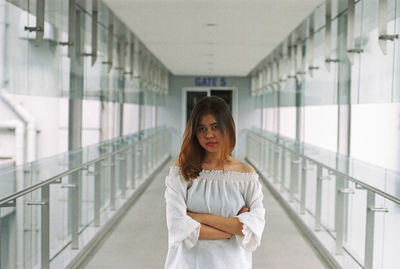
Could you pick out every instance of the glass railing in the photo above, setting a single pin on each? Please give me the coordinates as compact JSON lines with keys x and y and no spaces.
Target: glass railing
{"x":53,"y":208}
{"x":351,"y":207}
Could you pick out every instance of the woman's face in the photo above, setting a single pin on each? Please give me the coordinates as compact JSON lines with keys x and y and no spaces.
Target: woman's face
{"x":208,"y":134}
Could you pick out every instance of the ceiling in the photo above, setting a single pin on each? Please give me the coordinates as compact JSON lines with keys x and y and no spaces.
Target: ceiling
{"x":212,"y":37}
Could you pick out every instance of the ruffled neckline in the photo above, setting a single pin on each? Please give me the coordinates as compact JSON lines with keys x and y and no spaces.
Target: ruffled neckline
{"x":220,"y":174}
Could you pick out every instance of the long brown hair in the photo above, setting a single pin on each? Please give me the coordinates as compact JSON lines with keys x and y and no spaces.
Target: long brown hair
{"x":192,"y":153}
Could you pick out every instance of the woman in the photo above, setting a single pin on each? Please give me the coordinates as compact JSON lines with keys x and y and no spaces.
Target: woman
{"x":215,"y":214}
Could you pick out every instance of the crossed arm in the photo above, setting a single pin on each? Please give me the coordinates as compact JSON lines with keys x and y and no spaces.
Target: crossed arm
{"x":217,"y":227}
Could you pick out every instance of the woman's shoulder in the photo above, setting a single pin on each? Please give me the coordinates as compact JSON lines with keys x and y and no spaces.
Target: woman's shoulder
{"x":175,"y":169}
{"x":175,"y":163}
{"x":241,"y":167}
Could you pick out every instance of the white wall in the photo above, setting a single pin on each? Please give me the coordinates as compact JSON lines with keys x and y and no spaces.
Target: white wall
{"x":51,"y":116}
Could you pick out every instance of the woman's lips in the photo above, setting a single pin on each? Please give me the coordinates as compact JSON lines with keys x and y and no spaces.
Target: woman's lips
{"x":211,"y":143}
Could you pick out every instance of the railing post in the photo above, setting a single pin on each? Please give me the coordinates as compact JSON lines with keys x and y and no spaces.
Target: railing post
{"x":0,"y":240}
{"x":112,"y":164}
{"x":370,"y":230}
{"x":125,"y":161}
{"x":153,"y":151}
{"x":75,"y":205}
{"x":139,"y":148}
{"x":159,"y":149}
{"x":122,"y":173}
{"x":341,"y":191}
{"x":339,"y":210}
{"x":318,"y":199}
{"x":270,"y":159}
{"x":293,"y":175}
{"x":45,"y":228}
{"x":133,"y":166}
{"x":265,"y":156}
{"x":143,"y":162}
{"x":148,"y":159}
{"x":283,"y":169}
{"x":259,"y":151}
{"x":276,"y":163}
{"x":277,"y":157}
{"x":262,"y":159}
{"x":303,"y":186}
{"x":97,"y":193}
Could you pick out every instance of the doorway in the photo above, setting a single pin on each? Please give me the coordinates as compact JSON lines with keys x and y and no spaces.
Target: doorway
{"x":191,"y":100}
{"x":192,"y":95}
{"x":224,"y":94}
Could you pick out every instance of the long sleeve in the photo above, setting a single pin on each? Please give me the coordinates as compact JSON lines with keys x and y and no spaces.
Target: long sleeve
{"x":253,"y":221}
{"x":181,"y":227}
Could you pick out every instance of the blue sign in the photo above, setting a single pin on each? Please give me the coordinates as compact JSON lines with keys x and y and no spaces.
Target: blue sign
{"x":210,"y":82}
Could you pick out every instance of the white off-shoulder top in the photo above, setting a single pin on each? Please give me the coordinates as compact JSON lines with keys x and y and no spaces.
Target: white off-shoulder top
{"x":218,"y":193}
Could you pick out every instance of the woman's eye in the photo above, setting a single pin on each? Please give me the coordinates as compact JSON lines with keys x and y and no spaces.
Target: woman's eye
{"x":214,"y":127}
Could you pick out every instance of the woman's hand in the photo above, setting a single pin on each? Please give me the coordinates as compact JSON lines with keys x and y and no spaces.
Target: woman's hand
{"x":243,"y":209}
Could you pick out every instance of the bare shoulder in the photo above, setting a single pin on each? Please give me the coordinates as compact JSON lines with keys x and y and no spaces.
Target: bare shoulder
{"x":247,"y":168}
{"x":242,"y":167}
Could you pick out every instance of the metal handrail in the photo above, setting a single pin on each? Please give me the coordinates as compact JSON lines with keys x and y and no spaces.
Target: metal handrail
{"x":63,"y":174}
{"x":343,"y":175}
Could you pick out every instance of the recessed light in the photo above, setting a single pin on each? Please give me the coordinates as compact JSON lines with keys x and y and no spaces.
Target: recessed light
{"x":211,"y":24}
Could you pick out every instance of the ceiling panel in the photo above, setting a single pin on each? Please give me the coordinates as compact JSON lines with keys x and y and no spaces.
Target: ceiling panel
{"x":220,"y":37}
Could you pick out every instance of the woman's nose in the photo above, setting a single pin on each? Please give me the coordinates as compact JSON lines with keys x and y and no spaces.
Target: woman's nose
{"x":209,"y":134}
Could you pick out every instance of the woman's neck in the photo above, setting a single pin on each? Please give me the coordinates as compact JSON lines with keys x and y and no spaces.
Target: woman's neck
{"x":211,"y":160}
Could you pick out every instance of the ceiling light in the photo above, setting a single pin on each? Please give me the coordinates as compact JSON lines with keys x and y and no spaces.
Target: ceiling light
{"x":211,"y":24}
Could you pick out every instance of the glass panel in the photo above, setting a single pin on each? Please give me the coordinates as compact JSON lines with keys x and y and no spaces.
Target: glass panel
{"x":28,"y":229}
{"x":287,"y":122}
{"x":356,"y":221}
{"x":388,"y":235}
{"x":396,"y":64}
{"x":87,"y":196}
{"x":268,"y":119}
{"x":16,"y":63}
{"x":93,"y":71}
{"x":365,"y":172}
{"x":375,"y":83}
{"x":320,"y":126}
{"x":131,"y":118}
{"x":328,"y":201}
{"x":60,"y":232}
{"x":311,"y":190}
{"x":382,"y":139}
{"x":319,"y":16}
{"x":321,"y":89}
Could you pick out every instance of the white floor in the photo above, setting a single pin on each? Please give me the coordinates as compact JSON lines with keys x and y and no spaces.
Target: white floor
{"x":140,"y":239}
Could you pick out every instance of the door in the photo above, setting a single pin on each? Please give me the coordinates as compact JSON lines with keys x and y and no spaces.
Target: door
{"x":191,"y":100}
{"x":224,"y":94}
